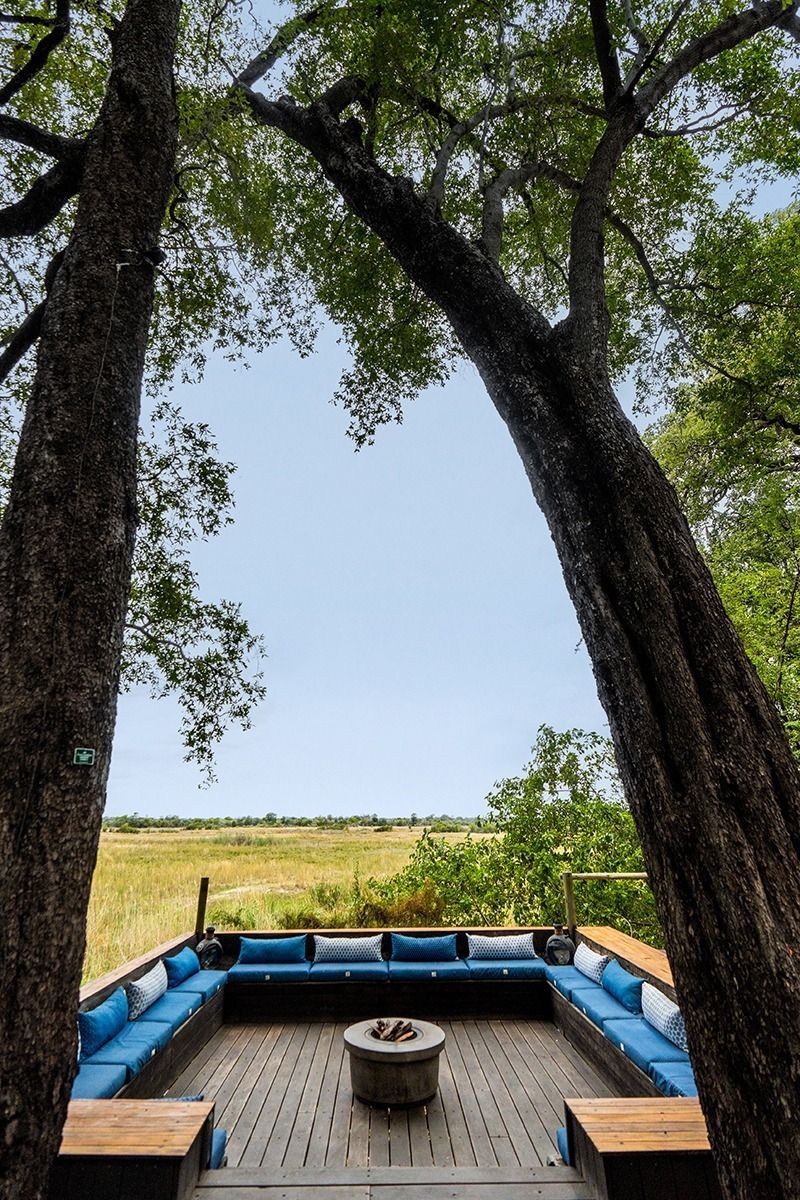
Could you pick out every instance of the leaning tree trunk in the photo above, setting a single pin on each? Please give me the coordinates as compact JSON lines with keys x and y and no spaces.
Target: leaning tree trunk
{"x":65,"y":563}
{"x":712,"y":784}
{"x":706,"y":766}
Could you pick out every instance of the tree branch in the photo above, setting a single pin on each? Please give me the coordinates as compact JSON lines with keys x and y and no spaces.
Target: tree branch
{"x":604,"y":51}
{"x":12,"y":129}
{"x":282,"y":41}
{"x":41,"y":52}
{"x":24,"y":337}
{"x":158,"y":639}
{"x":21,"y":340}
{"x":43,"y":201}
{"x":492,"y":216}
{"x":20,"y":19}
{"x":588,"y":317}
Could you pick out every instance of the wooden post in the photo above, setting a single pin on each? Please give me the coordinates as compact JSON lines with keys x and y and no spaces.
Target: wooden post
{"x":202,"y":898}
{"x":569,"y":900}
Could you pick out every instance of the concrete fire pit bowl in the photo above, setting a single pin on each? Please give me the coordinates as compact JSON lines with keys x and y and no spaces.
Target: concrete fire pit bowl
{"x":394,"y":1074}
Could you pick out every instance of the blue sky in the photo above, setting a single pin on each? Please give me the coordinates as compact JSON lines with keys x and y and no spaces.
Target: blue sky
{"x":416,"y":620}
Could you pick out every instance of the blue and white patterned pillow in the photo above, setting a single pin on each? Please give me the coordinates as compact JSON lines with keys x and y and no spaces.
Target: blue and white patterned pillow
{"x":664,"y":1016}
{"x":590,"y":964}
{"x":145,"y":991}
{"x":344,"y":949}
{"x":511,"y":945}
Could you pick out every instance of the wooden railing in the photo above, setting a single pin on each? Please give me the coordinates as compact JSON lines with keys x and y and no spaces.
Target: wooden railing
{"x":568,"y":878}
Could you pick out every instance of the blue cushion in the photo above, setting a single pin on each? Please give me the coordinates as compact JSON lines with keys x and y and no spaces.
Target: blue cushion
{"x":96,"y":1082}
{"x":505,"y":968}
{"x":424,"y":949}
{"x":673,"y":1078}
{"x":269,"y":972}
{"x":273,"y":950}
{"x":204,"y":984}
{"x":218,"y":1140}
{"x":596,"y":1004}
{"x":563,"y":1144}
{"x":138,"y":1042}
{"x":181,"y":966}
{"x":349,"y":970}
{"x":568,"y":979}
{"x":642,"y":1044}
{"x":623,"y":986}
{"x":103,"y":1023}
{"x":429,"y":970}
{"x":173,"y":1009}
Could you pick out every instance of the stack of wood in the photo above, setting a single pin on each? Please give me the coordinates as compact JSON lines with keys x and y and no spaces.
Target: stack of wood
{"x":392,"y":1029}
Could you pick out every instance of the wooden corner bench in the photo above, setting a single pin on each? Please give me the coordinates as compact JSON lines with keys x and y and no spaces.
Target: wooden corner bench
{"x":130,"y":1149}
{"x":642,"y":1149}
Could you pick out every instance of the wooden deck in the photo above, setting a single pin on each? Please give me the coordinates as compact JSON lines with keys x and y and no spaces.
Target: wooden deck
{"x":282,"y":1092}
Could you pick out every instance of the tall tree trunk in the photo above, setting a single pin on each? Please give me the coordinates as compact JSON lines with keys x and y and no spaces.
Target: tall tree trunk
{"x":65,"y":562}
{"x":709,"y":776}
{"x":707,"y":769}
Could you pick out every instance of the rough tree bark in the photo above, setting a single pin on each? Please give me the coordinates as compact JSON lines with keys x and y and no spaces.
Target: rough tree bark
{"x":707,"y":769}
{"x":65,"y":562}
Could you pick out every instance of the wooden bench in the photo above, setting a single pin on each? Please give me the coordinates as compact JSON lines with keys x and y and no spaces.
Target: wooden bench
{"x":635,"y":956}
{"x":129,"y":1149}
{"x":642,"y":1149}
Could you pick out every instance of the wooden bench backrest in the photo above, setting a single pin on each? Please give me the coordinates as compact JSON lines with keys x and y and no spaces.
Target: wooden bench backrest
{"x":635,"y":956}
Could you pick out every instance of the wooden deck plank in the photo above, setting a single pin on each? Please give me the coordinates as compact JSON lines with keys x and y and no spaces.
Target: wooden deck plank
{"x":506,"y":1093}
{"x":379,"y":1176}
{"x":378,"y":1155}
{"x":242,"y":1134}
{"x":399,"y":1138}
{"x":297,"y":1140}
{"x":339,"y":1136}
{"x":230,"y":1107}
{"x":479,"y":1135}
{"x":419,"y":1137}
{"x":320,"y":1132}
{"x":532,"y":1105}
{"x":358,"y":1141}
{"x":450,"y":1144}
{"x":276,"y":1120}
{"x":202,"y":1067}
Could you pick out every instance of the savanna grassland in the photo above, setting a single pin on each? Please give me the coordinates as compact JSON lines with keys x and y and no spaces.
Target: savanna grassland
{"x":145,"y":885}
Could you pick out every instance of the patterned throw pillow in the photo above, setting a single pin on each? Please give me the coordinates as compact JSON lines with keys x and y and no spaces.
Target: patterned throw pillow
{"x":590,"y":964}
{"x":344,"y":949}
{"x":145,"y":991}
{"x":511,"y":945}
{"x":664,"y":1016}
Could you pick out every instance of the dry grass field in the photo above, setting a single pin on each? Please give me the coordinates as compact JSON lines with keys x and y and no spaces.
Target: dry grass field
{"x":145,"y":885}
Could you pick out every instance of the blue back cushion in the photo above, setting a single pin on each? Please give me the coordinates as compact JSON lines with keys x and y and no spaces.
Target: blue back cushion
{"x":273,"y":950}
{"x":424,"y":949}
{"x":181,"y":966}
{"x":102,"y":1023}
{"x":623,"y":986}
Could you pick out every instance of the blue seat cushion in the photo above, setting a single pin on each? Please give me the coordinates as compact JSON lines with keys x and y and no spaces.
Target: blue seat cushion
{"x":205,"y":984}
{"x":596,"y":1004}
{"x":623,"y":986}
{"x":99,"y":1025}
{"x":505,"y":968}
{"x":273,"y":950}
{"x":181,"y":966}
{"x":269,"y":972}
{"x":424,"y":949}
{"x":673,"y":1078}
{"x":134,"y":1046}
{"x":219,"y":1139}
{"x":173,"y":1008}
{"x":349,"y":970}
{"x":429,"y":970}
{"x":98,"y":1082}
{"x":568,"y":979}
{"x":563,"y":1144}
{"x":642,"y":1044}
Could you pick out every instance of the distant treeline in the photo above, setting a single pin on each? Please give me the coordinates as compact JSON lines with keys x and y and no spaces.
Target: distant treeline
{"x":443,"y":823}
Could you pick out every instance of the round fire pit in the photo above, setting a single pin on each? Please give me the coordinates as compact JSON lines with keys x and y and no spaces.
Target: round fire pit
{"x":394,"y":1074}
